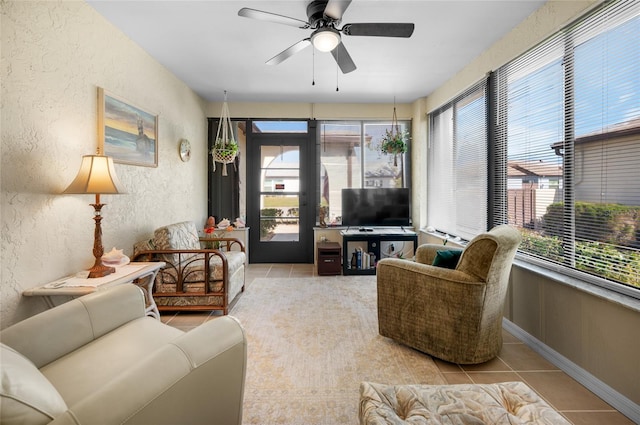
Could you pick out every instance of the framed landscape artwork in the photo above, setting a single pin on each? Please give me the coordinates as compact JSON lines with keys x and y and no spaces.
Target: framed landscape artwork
{"x":127,"y":133}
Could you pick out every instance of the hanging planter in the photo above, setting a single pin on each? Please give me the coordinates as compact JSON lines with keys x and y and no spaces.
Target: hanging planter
{"x":224,"y":152}
{"x":394,"y":142}
{"x":225,"y":147}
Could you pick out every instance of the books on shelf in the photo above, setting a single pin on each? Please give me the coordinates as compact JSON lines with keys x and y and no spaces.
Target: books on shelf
{"x":363,"y":260}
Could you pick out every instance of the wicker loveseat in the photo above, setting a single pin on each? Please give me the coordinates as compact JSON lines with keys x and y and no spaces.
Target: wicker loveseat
{"x":194,"y":278}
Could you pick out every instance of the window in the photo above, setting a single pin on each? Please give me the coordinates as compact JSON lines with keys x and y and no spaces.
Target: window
{"x":568,"y":130}
{"x":350,"y":157}
{"x":274,"y":126}
{"x":457,"y":165}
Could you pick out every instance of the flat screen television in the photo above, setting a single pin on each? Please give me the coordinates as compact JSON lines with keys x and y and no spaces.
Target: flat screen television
{"x":376,"y":207}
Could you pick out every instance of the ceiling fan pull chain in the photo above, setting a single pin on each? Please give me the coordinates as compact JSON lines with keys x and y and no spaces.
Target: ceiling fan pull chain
{"x":337,"y":67}
{"x":313,"y":67}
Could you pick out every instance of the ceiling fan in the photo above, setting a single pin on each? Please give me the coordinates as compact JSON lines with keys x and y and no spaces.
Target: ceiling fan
{"x":324,"y":16}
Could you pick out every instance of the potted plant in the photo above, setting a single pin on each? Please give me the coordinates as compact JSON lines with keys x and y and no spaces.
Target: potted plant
{"x":225,"y":152}
{"x":225,"y":148}
{"x":394,"y":143}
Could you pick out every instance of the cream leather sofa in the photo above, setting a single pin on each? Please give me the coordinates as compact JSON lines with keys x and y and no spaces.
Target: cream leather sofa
{"x":100,"y":360}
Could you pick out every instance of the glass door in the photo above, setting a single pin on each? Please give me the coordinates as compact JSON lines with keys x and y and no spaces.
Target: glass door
{"x":280,"y":198}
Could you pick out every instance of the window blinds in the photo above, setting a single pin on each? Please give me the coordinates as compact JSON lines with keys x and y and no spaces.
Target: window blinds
{"x":568,"y":130}
{"x":457,"y":165}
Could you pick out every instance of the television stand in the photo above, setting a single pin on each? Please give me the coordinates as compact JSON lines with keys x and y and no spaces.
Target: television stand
{"x":377,"y":243}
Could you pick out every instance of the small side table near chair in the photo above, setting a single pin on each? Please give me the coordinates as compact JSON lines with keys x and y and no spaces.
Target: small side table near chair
{"x":142,"y":274}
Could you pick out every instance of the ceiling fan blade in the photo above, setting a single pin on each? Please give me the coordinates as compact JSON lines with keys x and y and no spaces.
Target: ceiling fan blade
{"x":285,"y":54}
{"x":343,"y":58}
{"x":272,"y":17}
{"x":379,"y":30}
{"x":335,"y":8}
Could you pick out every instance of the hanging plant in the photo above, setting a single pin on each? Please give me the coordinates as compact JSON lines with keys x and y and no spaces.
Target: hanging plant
{"x":394,"y":141}
{"x":224,"y":151}
{"x":225,"y":148}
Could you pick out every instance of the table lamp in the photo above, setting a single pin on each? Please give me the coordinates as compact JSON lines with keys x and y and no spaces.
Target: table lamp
{"x":96,"y":176}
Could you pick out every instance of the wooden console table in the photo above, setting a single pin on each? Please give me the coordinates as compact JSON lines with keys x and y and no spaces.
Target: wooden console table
{"x":73,"y":286}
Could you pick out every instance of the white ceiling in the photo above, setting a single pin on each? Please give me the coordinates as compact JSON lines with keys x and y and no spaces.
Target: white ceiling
{"x":212,"y":49}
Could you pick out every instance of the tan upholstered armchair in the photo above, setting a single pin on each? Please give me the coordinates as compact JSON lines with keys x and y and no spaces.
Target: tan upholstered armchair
{"x":452,"y":314}
{"x":193,"y":278}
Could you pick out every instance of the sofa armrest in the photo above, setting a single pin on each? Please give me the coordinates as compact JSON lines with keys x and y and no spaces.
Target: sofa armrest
{"x":427,"y":252}
{"x":425,"y":272}
{"x":182,"y":255}
{"x":229,"y":242}
{"x":197,"y":378}
{"x":53,"y":333}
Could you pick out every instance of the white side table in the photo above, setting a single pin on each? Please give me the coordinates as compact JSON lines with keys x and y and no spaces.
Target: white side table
{"x":71,"y":286}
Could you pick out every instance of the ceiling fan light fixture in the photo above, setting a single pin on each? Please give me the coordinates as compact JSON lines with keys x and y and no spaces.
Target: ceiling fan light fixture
{"x":325,"y":39}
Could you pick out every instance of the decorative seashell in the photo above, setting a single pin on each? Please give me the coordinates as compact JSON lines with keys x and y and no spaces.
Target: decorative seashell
{"x":113,"y":255}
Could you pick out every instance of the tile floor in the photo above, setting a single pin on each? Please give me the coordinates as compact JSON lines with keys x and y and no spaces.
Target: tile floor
{"x":516,"y":362}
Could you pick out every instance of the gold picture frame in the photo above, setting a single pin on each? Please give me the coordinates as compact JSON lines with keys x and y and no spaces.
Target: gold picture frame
{"x":126,"y":132}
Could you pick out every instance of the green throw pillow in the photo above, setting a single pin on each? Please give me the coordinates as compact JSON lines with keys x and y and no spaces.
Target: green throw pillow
{"x":447,"y":258}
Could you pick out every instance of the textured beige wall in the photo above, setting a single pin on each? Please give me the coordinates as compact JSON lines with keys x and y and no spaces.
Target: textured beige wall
{"x":54,"y":56}
{"x":319,"y":111}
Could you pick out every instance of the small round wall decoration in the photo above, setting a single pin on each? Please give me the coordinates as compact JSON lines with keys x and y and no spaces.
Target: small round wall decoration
{"x":185,"y":150}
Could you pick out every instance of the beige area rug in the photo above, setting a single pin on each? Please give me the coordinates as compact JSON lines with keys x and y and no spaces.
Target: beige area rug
{"x":311,"y":341}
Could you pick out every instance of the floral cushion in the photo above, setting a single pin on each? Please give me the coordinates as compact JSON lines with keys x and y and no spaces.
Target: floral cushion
{"x":176,"y":236}
{"x":146,"y":245}
{"x":504,"y":403}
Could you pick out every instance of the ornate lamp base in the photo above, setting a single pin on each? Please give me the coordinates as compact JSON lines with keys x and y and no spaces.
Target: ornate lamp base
{"x":98,"y":269}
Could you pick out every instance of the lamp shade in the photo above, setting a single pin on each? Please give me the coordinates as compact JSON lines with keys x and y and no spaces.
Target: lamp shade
{"x":97,"y":175}
{"x":325,"y":39}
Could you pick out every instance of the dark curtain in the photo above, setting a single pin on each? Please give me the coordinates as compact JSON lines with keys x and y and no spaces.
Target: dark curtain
{"x":224,"y":198}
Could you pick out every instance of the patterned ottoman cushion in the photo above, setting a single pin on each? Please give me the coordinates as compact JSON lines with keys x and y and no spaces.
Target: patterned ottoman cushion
{"x":511,"y":403}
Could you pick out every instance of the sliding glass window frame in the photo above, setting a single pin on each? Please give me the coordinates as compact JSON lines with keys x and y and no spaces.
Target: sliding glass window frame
{"x":349,"y":157}
{"x":567,"y":119}
{"x":457,"y":165}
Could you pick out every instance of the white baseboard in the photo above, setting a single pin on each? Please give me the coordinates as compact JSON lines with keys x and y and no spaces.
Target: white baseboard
{"x":621,"y":403}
